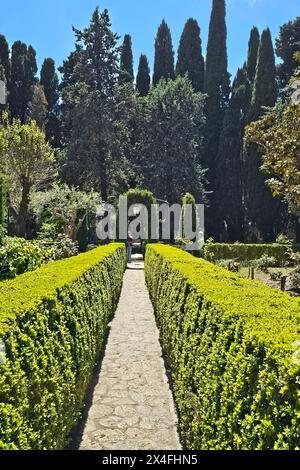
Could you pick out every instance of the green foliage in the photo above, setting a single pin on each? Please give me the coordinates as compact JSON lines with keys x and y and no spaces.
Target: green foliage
{"x":49,"y":80}
{"x":18,"y":256}
{"x":88,"y":91}
{"x":2,"y":200}
{"x":287,"y":45}
{"x":277,"y":134}
{"x":247,"y":252}
{"x":5,"y":58}
{"x":228,"y":200}
{"x":53,"y":322}
{"x":143,"y":79}
{"x":217,"y":82}
{"x":262,"y":210}
{"x":190,"y":59}
{"x":169,"y":141}
{"x":64,"y":206}
{"x":266,"y":262}
{"x":27,"y":161}
{"x":126,"y":61}
{"x":253,"y":47}
{"x":164,"y":55}
{"x":23,"y":77}
{"x":233,"y":350}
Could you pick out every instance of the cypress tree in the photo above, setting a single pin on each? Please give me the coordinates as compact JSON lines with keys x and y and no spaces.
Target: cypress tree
{"x":23,"y":71}
{"x":143,"y":76}
{"x":164,"y":54}
{"x":229,"y":174}
{"x":265,"y":89}
{"x":126,"y":61}
{"x":252,"y":53}
{"x":217,"y":87}
{"x":49,"y":80}
{"x":190,"y":58}
{"x":217,"y":82}
{"x":263,"y":211}
{"x":4,"y":57}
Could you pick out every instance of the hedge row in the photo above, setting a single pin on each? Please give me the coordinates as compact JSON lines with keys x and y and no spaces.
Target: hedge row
{"x":52,"y":322}
{"x":233,"y":346}
{"x":246,"y":252}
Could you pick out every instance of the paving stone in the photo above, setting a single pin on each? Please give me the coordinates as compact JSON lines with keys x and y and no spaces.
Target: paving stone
{"x":132,"y":406}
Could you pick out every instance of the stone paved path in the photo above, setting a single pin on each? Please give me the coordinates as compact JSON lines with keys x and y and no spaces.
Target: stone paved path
{"x":132,"y":406}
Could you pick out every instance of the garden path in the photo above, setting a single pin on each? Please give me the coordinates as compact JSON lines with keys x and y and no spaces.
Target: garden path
{"x":131,"y":406}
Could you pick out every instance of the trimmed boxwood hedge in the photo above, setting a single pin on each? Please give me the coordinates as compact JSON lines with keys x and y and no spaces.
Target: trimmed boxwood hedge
{"x":246,"y":252}
{"x":52,"y":322}
{"x":233,"y":347}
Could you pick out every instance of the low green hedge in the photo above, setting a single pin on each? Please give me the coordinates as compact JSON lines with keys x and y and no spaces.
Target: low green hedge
{"x":247,"y":252}
{"x":233,"y":346}
{"x":52,"y":322}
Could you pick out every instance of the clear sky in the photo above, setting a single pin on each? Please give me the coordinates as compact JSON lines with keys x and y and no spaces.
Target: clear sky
{"x":47,"y":24}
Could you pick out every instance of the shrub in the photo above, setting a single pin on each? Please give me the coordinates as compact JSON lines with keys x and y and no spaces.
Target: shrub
{"x":247,"y":252}
{"x":18,"y":256}
{"x":53,"y":322}
{"x":229,"y":264}
{"x":233,"y":349}
{"x":266,"y":262}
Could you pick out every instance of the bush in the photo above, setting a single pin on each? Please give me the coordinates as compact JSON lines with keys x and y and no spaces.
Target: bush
{"x":53,"y":322}
{"x":18,"y":256}
{"x":266,"y":262}
{"x":247,"y":252}
{"x":234,"y":352}
{"x":229,"y":264}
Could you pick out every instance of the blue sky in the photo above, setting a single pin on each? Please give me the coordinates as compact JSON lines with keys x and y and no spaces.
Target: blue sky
{"x":46,"y":24}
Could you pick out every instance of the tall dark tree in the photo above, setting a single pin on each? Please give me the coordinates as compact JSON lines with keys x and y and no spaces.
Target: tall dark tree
{"x":263,"y":211}
{"x":23,"y":78}
{"x":126,"y":61}
{"x":190,"y":59}
{"x":252,"y":53}
{"x":143,"y":79}
{"x":49,"y":80}
{"x":265,"y":89}
{"x":228,"y":194}
{"x":287,"y":45}
{"x":89,"y":99}
{"x":164,"y":54}
{"x":217,"y":82}
{"x":5,"y":58}
{"x":217,"y":87}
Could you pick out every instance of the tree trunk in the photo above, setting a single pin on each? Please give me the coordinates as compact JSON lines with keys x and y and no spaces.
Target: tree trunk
{"x":23,"y":210}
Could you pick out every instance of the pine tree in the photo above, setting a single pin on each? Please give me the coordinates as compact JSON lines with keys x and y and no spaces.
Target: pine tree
{"x":252,"y":53}
{"x":23,"y":77}
{"x":5,"y":58}
{"x":229,"y":174}
{"x":126,"y":61}
{"x":217,"y":82}
{"x":190,"y":58}
{"x":49,"y":80}
{"x":164,"y":54}
{"x":143,"y":79}
{"x":38,"y":107}
{"x":263,"y":211}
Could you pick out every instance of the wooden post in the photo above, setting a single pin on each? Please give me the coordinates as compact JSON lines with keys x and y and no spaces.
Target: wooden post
{"x":283,"y":283}
{"x":252,"y":273}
